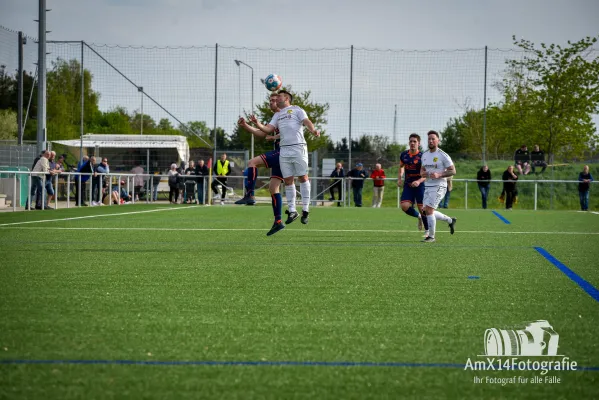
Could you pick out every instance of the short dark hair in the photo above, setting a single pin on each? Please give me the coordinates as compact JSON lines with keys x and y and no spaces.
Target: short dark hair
{"x":273,"y":94}
{"x":415,"y":135}
{"x":288,"y":94}
{"x":433,"y":133}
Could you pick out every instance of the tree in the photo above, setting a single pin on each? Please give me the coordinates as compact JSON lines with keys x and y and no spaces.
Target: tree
{"x":8,"y":125}
{"x":562,"y":90}
{"x":115,"y":121}
{"x":64,"y":99}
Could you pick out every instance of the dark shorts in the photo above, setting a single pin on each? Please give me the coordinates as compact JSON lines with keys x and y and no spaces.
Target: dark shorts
{"x":412,"y":194}
{"x":271,"y":160}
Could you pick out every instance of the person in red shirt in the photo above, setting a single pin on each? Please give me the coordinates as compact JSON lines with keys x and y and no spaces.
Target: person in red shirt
{"x":378,"y":177}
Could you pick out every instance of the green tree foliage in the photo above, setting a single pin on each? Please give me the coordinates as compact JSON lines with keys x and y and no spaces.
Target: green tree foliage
{"x":64,"y":99}
{"x":8,"y":125}
{"x":8,"y":98}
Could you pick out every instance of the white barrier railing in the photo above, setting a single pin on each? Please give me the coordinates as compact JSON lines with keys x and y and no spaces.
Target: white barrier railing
{"x":152,"y":184}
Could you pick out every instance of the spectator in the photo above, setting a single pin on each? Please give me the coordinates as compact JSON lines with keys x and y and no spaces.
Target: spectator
{"x":509,"y":186}
{"x":357,"y":176}
{"x":522,"y":160}
{"x":537,"y":158}
{"x":221,"y":170}
{"x":190,"y":183}
{"x":60,"y":168}
{"x":338,"y":172}
{"x":138,"y":180}
{"x":37,"y":187}
{"x":181,"y":181}
{"x":585,"y":178}
{"x":483,"y":177}
{"x":99,"y":181}
{"x":445,"y":201}
{"x":173,"y":183}
{"x":86,"y":166}
{"x":378,"y":178}
{"x":201,"y":172}
{"x":49,"y":179}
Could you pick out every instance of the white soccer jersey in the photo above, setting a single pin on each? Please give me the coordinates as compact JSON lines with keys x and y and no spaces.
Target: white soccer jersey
{"x":290,"y":123}
{"x":437,"y":161}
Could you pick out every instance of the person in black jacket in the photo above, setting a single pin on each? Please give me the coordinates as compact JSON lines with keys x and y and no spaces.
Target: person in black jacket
{"x":522,"y":160}
{"x":338,"y":172}
{"x":509,"y":186}
{"x":190,"y":183}
{"x":584,"y":178}
{"x":357,"y":176}
{"x":537,"y":158}
{"x":201,"y":172}
{"x":483,"y":177}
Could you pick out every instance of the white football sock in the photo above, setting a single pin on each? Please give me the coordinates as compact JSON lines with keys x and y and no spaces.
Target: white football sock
{"x":442,"y":217}
{"x":305,"y":192}
{"x":432,"y":224}
{"x":290,"y":194}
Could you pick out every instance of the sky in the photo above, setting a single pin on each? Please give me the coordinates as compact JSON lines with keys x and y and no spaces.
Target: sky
{"x":427,"y":87}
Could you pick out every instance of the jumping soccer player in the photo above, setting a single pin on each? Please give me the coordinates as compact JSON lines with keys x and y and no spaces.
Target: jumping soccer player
{"x":293,"y":158}
{"x":410,"y":162}
{"x":436,"y":167}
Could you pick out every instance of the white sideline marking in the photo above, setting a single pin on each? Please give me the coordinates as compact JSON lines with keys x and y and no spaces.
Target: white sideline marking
{"x":594,"y":212}
{"x":100,"y":215}
{"x":306,"y":230}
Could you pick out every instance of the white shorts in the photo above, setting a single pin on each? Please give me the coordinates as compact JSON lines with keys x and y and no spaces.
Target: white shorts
{"x":294,"y":166}
{"x":433,"y":196}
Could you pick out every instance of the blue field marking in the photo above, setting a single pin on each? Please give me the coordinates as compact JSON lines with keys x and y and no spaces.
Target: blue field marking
{"x":584,"y":285}
{"x":473,"y":277}
{"x":501,"y":217}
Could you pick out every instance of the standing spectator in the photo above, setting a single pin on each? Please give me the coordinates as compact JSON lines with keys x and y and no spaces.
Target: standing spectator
{"x":173,"y":183}
{"x":338,"y":172}
{"x":221,"y":169}
{"x":49,"y":179}
{"x":155,"y":181}
{"x":522,"y":160}
{"x":86,"y":166}
{"x":483,"y":177}
{"x":537,"y":158}
{"x":445,"y":202}
{"x":190,"y":183}
{"x":509,"y":186}
{"x":62,"y":185}
{"x":357,"y":176}
{"x":201,"y":173}
{"x":378,"y":177}
{"x":37,"y":187}
{"x":585,"y":178}
{"x":138,"y":180}
{"x":99,"y":182}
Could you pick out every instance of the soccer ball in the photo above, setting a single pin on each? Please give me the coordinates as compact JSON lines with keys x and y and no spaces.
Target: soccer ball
{"x":273,"y":82}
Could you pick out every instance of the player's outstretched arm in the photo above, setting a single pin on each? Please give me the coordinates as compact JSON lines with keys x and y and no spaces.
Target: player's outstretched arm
{"x":308,"y":124}
{"x":255,"y":131}
{"x":258,"y":124}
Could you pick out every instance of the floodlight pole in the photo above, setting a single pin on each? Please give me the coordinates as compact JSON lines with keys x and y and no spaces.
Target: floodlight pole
{"x":141,"y":125}
{"x":239,"y":62}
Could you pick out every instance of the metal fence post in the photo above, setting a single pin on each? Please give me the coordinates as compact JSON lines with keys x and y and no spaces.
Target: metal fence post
{"x":536,"y":184}
{"x":466,"y":194}
{"x":14,"y":194}
{"x":69,"y":190}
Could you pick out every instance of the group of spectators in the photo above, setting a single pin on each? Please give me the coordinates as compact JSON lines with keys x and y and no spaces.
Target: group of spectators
{"x":526,"y":161}
{"x":183,"y":181}
{"x":357,"y":177}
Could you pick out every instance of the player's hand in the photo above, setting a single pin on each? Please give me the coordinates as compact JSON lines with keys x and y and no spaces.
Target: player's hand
{"x":316,"y":133}
{"x":253,"y":119}
{"x":415,"y":184}
{"x":434,"y":175}
{"x":242,"y":122}
{"x":399,"y":183}
{"x":271,"y":137}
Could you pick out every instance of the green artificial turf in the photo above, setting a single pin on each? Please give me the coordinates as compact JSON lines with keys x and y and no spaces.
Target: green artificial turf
{"x":197,"y":284}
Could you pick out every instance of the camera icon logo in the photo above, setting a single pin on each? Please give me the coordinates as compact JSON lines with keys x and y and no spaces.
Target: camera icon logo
{"x":536,"y":339}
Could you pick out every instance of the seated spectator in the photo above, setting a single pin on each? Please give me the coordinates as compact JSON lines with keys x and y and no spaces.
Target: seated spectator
{"x":537,"y":158}
{"x":522,"y":160}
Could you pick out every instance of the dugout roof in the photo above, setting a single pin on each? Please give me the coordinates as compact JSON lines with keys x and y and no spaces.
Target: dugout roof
{"x":132,"y":141}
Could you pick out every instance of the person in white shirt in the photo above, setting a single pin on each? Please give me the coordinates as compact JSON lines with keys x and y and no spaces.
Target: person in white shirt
{"x":436,"y":168}
{"x":290,"y":121}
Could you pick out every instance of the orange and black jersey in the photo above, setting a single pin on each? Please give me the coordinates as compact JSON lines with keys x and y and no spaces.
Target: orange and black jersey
{"x":412,"y":163}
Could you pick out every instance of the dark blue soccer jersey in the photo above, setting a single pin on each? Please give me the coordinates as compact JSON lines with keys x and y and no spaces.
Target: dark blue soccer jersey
{"x":412,"y":164}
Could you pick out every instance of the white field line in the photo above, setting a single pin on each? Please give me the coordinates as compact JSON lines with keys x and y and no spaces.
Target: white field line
{"x":298,"y":230}
{"x":100,"y":215}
